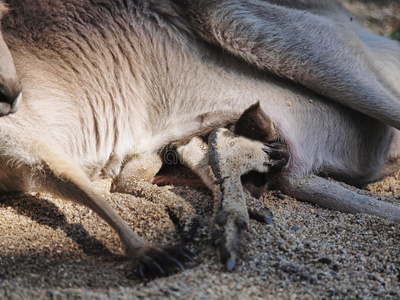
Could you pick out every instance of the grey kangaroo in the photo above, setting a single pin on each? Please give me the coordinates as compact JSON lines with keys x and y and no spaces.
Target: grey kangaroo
{"x":108,"y":84}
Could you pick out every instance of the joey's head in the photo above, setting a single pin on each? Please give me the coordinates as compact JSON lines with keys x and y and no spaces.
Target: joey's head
{"x":254,"y":124}
{"x":10,"y":85}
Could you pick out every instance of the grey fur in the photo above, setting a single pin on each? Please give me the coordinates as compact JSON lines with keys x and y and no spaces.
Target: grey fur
{"x":300,"y":40}
{"x":109,"y":81}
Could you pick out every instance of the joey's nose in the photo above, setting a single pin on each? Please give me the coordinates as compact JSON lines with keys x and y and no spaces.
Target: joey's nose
{"x":10,"y":98}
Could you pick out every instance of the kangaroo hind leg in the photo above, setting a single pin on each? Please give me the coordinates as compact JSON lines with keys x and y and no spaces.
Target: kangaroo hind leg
{"x":56,"y":173}
{"x":333,"y":195}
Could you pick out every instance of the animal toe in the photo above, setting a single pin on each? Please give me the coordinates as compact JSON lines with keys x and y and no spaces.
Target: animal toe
{"x":278,"y":156}
{"x":226,"y":236}
{"x":155,"y":262}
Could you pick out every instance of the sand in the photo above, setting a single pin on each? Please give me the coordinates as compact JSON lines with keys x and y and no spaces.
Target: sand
{"x":53,"y":249}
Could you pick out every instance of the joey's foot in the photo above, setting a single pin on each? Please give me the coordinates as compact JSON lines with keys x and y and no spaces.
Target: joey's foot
{"x":226,"y":236}
{"x":227,"y":231}
{"x":275,"y":157}
{"x":278,"y":156}
{"x":155,"y":262}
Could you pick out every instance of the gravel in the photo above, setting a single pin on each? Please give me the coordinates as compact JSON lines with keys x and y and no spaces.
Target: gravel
{"x":52,"y":249}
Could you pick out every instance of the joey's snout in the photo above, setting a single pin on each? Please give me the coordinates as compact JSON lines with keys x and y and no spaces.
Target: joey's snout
{"x":10,"y":97}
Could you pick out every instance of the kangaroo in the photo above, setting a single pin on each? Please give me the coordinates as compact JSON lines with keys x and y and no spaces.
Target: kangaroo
{"x":10,"y":85}
{"x":109,"y":84}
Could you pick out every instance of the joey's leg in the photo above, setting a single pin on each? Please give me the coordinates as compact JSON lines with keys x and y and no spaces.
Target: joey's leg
{"x":255,"y":125}
{"x":221,"y":165}
{"x":135,"y":178}
{"x":58,"y":174}
{"x":333,"y":195}
{"x":194,"y":155}
{"x":230,"y":157}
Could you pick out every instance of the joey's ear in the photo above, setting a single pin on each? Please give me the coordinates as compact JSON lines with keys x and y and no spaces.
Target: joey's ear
{"x":255,"y":124}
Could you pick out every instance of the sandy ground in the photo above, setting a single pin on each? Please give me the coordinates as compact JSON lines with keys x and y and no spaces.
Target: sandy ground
{"x":52,"y":249}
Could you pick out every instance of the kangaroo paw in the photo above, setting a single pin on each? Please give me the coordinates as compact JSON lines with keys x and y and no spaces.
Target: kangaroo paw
{"x":278,"y":156}
{"x":226,"y":235}
{"x":152,"y":262}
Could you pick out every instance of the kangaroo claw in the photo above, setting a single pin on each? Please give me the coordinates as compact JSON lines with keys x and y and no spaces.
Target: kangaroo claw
{"x":156,"y":262}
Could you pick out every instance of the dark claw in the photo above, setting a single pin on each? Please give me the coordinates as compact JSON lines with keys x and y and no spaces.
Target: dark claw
{"x":278,"y":153}
{"x":178,"y":251}
{"x":188,"y":258}
{"x":266,"y":150}
{"x":230,"y":264}
{"x":141,"y":273}
{"x":279,"y":165}
{"x":177,"y":263}
{"x":276,"y":165}
{"x":191,"y":252}
{"x":181,"y":253}
{"x":275,"y":153}
{"x":160,"y":269}
{"x":274,"y":146}
{"x":155,"y":262}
